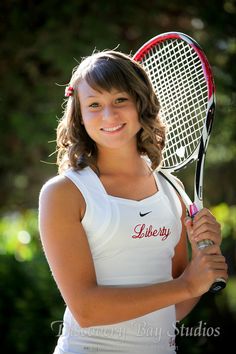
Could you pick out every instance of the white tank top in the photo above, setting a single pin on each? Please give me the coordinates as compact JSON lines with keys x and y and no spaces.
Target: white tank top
{"x":132,"y":244}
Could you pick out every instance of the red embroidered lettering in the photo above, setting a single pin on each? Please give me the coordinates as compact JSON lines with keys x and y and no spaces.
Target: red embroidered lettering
{"x":141,"y":231}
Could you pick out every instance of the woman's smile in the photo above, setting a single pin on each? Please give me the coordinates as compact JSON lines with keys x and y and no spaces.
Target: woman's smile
{"x":114,"y":129}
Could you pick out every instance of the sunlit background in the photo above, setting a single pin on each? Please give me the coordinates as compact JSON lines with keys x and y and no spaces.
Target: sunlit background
{"x":40,"y":44}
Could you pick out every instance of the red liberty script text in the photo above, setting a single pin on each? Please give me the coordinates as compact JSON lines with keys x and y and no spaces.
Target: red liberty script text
{"x":141,"y":230}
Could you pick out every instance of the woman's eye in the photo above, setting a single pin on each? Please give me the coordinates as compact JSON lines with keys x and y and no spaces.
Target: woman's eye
{"x":94,"y":105}
{"x":121,"y":99}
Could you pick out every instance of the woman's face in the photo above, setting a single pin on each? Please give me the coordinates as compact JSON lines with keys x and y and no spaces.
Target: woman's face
{"x":110,"y":118}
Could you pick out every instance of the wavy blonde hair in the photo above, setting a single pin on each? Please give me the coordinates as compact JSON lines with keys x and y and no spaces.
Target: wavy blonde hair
{"x":107,"y":70}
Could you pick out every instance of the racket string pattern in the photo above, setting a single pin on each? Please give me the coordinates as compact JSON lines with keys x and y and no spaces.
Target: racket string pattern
{"x":176,"y":74}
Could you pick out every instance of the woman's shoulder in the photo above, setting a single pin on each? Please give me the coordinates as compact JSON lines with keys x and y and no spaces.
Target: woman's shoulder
{"x":60,"y":189}
{"x":55,"y":184}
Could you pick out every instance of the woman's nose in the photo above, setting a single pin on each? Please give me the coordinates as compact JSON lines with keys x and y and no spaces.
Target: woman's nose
{"x":108,"y":113}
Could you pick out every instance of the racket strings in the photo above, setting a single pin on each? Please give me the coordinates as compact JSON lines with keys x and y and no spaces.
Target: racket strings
{"x":176,"y":73}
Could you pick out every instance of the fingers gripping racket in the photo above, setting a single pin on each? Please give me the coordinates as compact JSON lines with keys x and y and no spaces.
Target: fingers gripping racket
{"x":183,"y":81}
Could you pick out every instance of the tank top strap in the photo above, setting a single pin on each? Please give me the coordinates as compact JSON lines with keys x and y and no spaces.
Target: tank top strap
{"x":86,"y":180}
{"x":168,"y":190}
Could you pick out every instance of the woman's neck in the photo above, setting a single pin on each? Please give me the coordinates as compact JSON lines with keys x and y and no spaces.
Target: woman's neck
{"x":119,"y":161}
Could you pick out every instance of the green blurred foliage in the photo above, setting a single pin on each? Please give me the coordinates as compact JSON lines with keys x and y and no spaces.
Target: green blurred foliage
{"x":29,"y":298}
{"x":40,"y":44}
{"x":18,"y":232}
{"x":29,"y":303}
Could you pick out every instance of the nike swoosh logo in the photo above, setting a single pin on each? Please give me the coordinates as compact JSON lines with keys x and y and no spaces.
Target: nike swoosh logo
{"x":143,"y":214}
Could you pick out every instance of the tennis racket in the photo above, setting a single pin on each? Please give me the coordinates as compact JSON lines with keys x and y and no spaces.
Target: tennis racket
{"x":183,"y":81}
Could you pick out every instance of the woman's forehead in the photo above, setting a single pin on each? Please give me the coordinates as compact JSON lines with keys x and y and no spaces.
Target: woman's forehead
{"x":86,"y":90}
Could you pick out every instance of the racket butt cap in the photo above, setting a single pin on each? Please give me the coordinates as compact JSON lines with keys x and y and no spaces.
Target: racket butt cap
{"x":218,"y":285}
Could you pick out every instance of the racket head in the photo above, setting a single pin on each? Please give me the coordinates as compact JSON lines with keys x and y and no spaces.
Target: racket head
{"x":183,"y":81}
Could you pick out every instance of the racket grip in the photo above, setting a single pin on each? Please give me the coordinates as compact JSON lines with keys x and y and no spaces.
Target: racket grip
{"x":219,"y":283}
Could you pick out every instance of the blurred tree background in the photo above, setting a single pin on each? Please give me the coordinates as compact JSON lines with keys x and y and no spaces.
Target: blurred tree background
{"x":41,"y":41}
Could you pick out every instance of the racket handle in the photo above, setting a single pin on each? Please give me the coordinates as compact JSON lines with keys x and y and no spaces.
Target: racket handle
{"x":219,"y":283}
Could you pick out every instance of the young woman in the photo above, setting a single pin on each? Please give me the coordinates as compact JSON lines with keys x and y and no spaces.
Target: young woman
{"x":113,"y":230}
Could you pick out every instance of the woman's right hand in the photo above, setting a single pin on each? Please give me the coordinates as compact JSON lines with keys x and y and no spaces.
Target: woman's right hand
{"x":207,"y":264}
{"x":205,"y":267}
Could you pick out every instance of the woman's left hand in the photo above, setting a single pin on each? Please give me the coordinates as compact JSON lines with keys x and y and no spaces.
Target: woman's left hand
{"x":203,"y":226}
